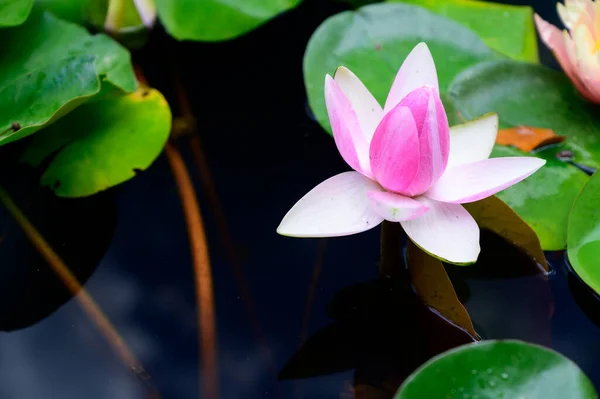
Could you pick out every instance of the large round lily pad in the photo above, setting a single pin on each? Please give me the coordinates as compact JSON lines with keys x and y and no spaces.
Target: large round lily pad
{"x":215,"y":20}
{"x":498,"y":369}
{"x":544,"y":199}
{"x":374,"y":40}
{"x":506,"y":28}
{"x":583,"y":243}
{"x":14,"y":12}
{"x":531,"y":95}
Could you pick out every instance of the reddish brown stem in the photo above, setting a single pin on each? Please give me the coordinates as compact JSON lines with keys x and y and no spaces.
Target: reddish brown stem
{"x":85,"y":300}
{"x":208,"y":188}
{"x":203,"y":276}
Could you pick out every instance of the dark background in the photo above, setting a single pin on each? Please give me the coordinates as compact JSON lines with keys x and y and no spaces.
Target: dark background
{"x":264,"y":152}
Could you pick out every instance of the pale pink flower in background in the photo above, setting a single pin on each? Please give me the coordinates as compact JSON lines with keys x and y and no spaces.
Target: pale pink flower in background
{"x":114,"y":16}
{"x":577,"y":47}
{"x":409,"y":166}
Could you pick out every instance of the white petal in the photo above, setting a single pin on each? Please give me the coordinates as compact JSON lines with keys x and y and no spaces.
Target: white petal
{"x":585,"y":51}
{"x":570,"y":12}
{"x":473,"y":141}
{"x":367,"y":109}
{"x":446,"y":231}
{"x":337,"y":207}
{"x":395,"y":207}
{"x":417,"y":70}
{"x":147,"y":11}
{"x":478,"y":180}
{"x":347,"y":133}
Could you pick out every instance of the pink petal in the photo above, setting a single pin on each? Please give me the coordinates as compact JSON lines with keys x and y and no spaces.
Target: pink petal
{"x":367,"y":109}
{"x":147,"y":11}
{"x":571,"y":11}
{"x":394,"y":207}
{"x":418,"y":69}
{"x":559,"y":43}
{"x":473,"y":141}
{"x":337,"y":207}
{"x":586,"y":83}
{"x":394,"y":150}
{"x":588,"y":69}
{"x":347,"y":133}
{"x":434,"y":138}
{"x":474,"y":181}
{"x":446,"y":231}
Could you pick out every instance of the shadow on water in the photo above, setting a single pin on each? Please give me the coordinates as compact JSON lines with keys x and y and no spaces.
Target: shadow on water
{"x":264,"y":153}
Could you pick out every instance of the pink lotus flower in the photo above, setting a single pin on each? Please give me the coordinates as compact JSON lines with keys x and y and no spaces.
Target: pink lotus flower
{"x":409,"y":166}
{"x":577,"y":49}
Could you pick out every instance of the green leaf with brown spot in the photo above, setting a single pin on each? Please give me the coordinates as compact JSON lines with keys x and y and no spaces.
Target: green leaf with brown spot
{"x":102,"y":143}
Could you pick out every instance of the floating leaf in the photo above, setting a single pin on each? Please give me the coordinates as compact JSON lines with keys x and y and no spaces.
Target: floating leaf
{"x":505,"y":28}
{"x":531,"y":95}
{"x":51,"y":68}
{"x":433,"y":286}
{"x":14,"y":12}
{"x":527,"y":138}
{"x":495,"y":215}
{"x":374,"y":41}
{"x":215,"y":20}
{"x":583,"y":244}
{"x":77,"y":11}
{"x":544,"y":199}
{"x":498,"y":369}
{"x":102,"y":143}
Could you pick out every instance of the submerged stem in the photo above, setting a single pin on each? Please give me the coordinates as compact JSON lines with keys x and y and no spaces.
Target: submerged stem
{"x":312,"y":290}
{"x":203,"y":276}
{"x":84,"y":299}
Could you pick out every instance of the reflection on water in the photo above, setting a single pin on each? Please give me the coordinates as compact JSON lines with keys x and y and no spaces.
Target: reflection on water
{"x":265,"y":153}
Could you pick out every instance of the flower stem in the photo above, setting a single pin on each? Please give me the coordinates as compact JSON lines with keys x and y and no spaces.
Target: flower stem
{"x":312,"y":290}
{"x":191,"y":132}
{"x":203,"y":276}
{"x":114,"y":15}
{"x":84,"y":299}
{"x":391,"y":263}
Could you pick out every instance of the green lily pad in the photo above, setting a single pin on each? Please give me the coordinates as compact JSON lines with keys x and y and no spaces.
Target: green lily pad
{"x":14,"y":12}
{"x":544,"y":199}
{"x":498,"y":369}
{"x":54,"y":66}
{"x":77,"y":11}
{"x":374,"y":41}
{"x":583,"y":240}
{"x":493,"y":214}
{"x":102,"y":143}
{"x":505,"y":28}
{"x":215,"y":20}
{"x":531,"y":95}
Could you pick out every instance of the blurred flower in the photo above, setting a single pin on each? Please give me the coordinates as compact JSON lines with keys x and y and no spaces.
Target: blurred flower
{"x":127,"y":14}
{"x":410,"y":167}
{"x":576,"y":49}
{"x":147,"y":11}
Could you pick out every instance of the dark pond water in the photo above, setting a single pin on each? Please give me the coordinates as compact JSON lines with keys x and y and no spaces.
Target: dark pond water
{"x":264,"y":152}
